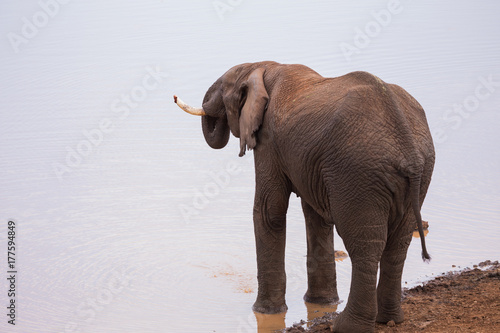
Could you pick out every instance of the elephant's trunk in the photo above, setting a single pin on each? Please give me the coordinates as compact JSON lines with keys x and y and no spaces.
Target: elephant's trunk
{"x":215,"y":130}
{"x":189,"y":109}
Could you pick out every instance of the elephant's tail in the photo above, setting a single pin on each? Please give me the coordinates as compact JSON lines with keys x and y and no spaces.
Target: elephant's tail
{"x":415,"y":203}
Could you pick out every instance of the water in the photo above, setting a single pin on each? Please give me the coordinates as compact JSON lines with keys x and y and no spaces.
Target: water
{"x":128,"y":222}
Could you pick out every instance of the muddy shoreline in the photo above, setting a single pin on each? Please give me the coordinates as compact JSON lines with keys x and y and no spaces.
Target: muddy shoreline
{"x":463,"y":301}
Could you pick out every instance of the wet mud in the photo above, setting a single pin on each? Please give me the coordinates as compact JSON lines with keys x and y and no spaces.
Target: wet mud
{"x":463,"y":301}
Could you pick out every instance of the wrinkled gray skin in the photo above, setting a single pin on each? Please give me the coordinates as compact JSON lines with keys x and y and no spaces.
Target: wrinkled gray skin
{"x":359,"y":154}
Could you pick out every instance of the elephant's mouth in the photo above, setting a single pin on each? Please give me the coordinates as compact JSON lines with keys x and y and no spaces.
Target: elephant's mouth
{"x":210,"y":123}
{"x":215,"y":130}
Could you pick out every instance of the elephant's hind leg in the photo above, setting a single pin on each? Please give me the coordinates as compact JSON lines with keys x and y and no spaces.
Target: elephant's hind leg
{"x":364,"y":232}
{"x":321,"y":276}
{"x":391,"y":269}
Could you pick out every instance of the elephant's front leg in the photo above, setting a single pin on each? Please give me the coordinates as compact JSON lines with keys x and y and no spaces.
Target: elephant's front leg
{"x":271,"y":204}
{"x":321,"y":276}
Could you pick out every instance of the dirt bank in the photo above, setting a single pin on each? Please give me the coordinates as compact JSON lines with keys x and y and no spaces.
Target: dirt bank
{"x":465,"y":301}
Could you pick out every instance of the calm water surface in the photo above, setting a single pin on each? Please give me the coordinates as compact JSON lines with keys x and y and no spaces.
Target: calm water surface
{"x":128,"y":222}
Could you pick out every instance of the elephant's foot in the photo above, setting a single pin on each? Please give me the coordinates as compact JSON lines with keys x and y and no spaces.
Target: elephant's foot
{"x":321,"y":299}
{"x":268,"y":307}
{"x":385,"y":316}
{"x":349,"y":324}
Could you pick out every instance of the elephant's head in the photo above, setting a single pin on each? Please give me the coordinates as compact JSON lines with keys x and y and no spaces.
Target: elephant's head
{"x":236,"y":102}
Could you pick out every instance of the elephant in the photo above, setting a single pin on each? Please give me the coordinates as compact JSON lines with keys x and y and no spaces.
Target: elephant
{"x":359,"y":154}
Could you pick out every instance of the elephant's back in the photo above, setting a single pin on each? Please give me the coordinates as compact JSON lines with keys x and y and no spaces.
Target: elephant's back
{"x":359,"y":122}
{"x":354,"y":129}
{"x":385,"y":119}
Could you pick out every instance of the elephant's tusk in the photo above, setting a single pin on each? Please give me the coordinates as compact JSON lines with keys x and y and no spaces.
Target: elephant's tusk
{"x":189,"y":109}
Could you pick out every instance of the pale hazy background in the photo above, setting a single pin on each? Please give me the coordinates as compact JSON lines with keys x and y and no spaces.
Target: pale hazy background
{"x":128,"y":222}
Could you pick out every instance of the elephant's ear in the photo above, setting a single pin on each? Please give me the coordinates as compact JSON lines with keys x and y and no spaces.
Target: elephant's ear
{"x":255,"y":99}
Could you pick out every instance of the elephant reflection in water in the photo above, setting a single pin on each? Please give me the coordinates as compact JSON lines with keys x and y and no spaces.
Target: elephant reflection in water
{"x":274,"y":322}
{"x":359,"y":154}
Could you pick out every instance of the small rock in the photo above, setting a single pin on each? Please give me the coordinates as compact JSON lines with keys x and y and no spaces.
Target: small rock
{"x":340,"y":254}
{"x":391,"y":323}
{"x":322,"y":327}
{"x":299,"y":324}
{"x":494,"y":273}
{"x":485,"y":263}
{"x":425,"y":225}
{"x":423,"y":325}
